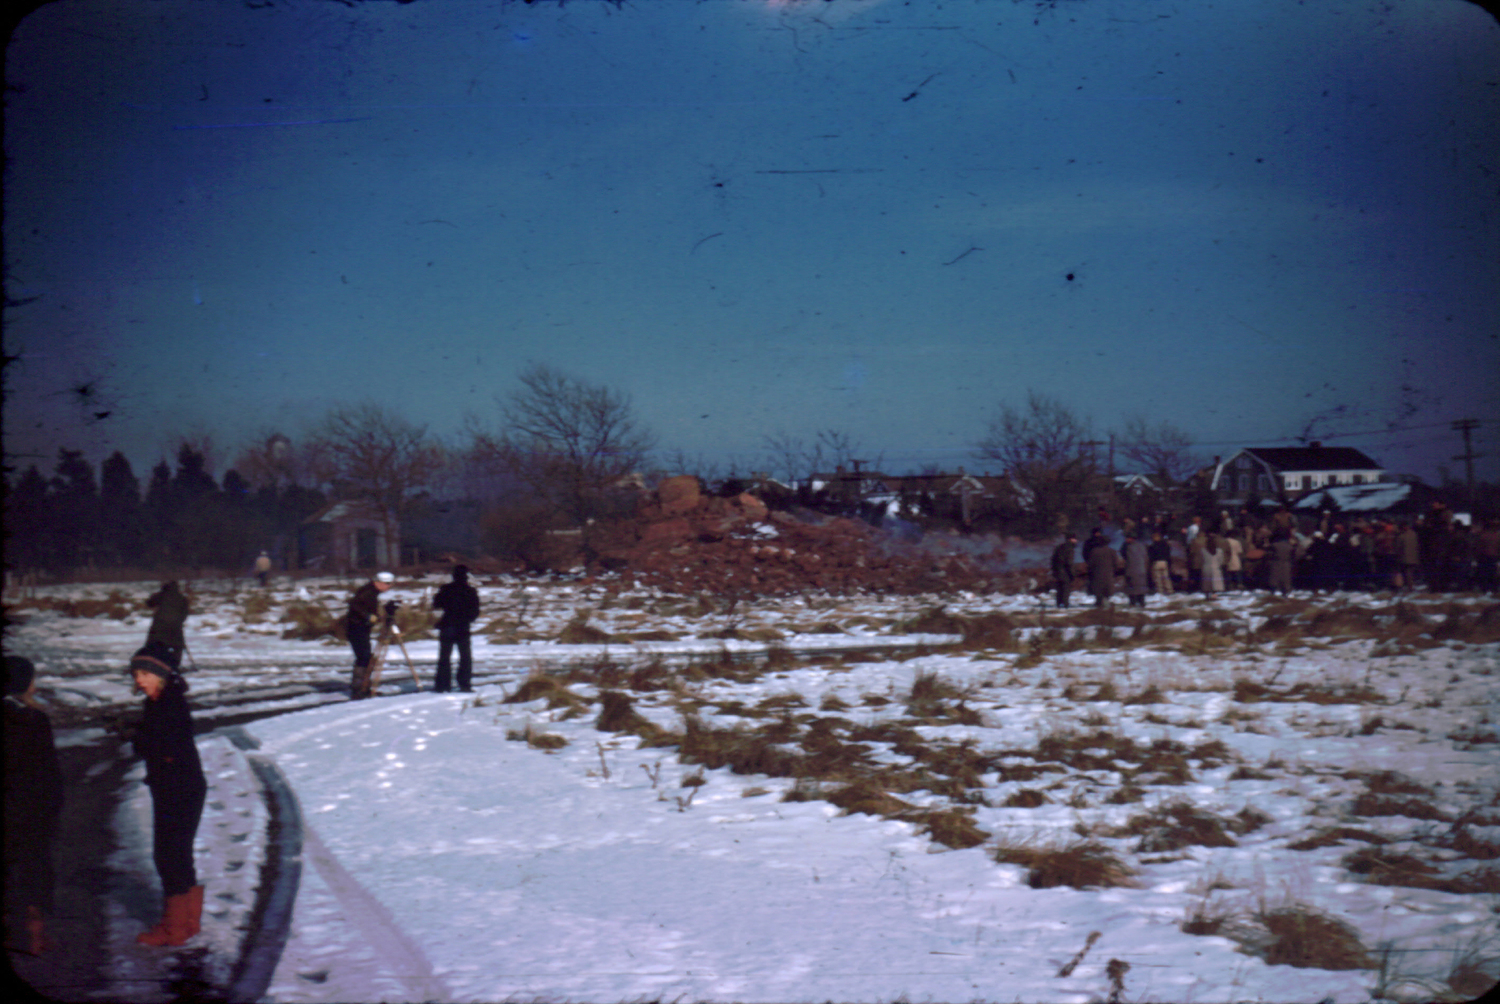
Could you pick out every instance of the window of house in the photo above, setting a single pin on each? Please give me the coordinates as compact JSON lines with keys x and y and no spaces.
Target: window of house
{"x":1293,"y":482}
{"x":1244,"y":482}
{"x":1262,"y":483}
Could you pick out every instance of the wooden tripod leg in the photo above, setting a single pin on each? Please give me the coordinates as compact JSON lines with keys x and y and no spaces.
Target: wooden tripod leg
{"x":372,"y":678}
{"x":409,"y":664}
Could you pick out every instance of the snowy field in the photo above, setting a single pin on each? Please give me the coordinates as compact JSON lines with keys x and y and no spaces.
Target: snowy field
{"x":1253,"y":799}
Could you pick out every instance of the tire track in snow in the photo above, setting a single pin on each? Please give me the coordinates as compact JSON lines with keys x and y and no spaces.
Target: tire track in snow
{"x":378,"y":927}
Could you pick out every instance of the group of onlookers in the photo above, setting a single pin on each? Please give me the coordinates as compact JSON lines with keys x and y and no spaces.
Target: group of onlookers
{"x":1280,"y":553}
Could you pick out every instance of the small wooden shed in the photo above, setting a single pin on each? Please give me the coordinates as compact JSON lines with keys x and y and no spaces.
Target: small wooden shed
{"x":347,"y":536}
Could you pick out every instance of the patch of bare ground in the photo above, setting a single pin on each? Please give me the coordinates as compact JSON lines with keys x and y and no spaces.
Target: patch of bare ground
{"x":1081,"y":865}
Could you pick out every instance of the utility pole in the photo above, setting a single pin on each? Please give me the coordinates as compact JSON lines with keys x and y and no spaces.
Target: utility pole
{"x":1466,"y":426}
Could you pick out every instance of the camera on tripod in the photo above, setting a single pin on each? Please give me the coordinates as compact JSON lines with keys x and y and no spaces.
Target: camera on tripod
{"x":390,"y":610}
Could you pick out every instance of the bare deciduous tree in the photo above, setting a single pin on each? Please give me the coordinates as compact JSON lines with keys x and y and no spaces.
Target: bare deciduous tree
{"x":1048,"y":450}
{"x":272,"y":460}
{"x":798,"y":459}
{"x":1163,"y":451}
{"x":568,"y":440}
{"x":367,"y":452}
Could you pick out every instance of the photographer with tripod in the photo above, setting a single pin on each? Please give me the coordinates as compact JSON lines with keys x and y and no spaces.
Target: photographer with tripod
{"x":364,"y":613}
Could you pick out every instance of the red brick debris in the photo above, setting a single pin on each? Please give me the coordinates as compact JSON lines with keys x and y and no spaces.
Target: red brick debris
{"x":684,"y":541}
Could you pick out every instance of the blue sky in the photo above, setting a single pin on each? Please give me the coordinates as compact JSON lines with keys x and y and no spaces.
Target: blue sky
{"x":1256,"y":220}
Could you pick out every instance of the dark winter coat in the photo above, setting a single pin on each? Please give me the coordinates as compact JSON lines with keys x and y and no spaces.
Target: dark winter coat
{"x":1137,"y":569}
{"x":459,"y":603}
{"x":1103,"y":564}
{"x":165,"y":741}
{"x":33,"y":804}
{"x":171,"y":614}
{"x":1282,"y":554}
{"x":364,"y":605}
{"x":1062,"y":561}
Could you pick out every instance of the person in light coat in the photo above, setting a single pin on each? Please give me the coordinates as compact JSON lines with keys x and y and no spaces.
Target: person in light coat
{"x":1234,"y":565}
{"x":1213,"y":564}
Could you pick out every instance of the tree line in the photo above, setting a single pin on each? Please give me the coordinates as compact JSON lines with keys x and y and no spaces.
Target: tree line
{"x":559,"y":452}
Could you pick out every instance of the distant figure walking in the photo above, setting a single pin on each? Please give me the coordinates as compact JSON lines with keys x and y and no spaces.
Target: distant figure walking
{"x":167,"y":622}
{"x":175,"y":776}
{"x":1062,"y":567}
{"x":33,"y":805}
{"x":459,"y":603}
{"x":263,"y":568}
{"x":364,"y":614}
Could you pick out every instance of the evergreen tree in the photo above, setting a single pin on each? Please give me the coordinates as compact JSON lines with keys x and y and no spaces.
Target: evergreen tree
{"x":73,"y":511}
{"x":26,"y":527}
{"x":121,"y":517}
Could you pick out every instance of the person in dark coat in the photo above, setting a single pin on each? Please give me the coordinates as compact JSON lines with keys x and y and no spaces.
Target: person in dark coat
{"x":459,"y":603}
{"x":171,"y":613}
{"x":33,"y":805}
{"x":1062,"y":567}
{"x":364,"y":614}
{"x":1103,"y":563}
{"x":174,"y":774}
{"x":1137,"y":566}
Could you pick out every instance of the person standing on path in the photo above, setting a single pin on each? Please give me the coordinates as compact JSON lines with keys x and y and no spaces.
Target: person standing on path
{"x":364,"y":613}
{"x":1282,"y":554}
{"x":33,"y":805}
{"x":167,"y":622}
{"x":459,"y":603}
{"x":1062,"y":567}
{"x":263,"y":568}
{"x":174,"y":774}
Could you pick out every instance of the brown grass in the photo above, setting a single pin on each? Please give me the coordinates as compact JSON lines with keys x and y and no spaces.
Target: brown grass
{"x":1176,"y":825}
{"x":953,"y":827}
{"x":310,"y":621}
{"x":1081,"y":865}
{"x":1384,"y":867}
{"x":1309,"y":939}
{"x":537,"y":739}
{"x":868,"y":797}
{"x":1371,"y":804}
{"x":1337,"y":834}
{"x":1026,"y":798}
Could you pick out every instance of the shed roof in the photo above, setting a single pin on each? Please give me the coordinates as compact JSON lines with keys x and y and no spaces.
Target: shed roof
{"x":1314,"y":458}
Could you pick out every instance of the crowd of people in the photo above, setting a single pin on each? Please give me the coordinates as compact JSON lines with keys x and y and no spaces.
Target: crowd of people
{"x":1280,"y":553}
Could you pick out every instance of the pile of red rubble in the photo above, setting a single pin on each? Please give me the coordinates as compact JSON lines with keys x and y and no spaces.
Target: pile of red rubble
{"x":684,"y":541}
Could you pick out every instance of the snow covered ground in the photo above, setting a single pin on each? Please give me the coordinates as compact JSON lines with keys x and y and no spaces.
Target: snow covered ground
{"x":458,"y":847}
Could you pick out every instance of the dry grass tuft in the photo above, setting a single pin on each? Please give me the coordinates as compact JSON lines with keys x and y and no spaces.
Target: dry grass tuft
{"x":537,"y":739}
{"x":535,"y":687}
{"x":1026,"y":798}
{"x":618,"y":714}
{"x":1338,"y":834}
{"x":579,"y":631}
{"x":1309,"y":939}
{"x":1081,"y":865}
{"x":952,"y":828}
{"x":1384,"y":867}
{"x":1175,"y":825}
{"x":868,"y":797}
{"x":310,"y":621}
{"x":1371,"y":804}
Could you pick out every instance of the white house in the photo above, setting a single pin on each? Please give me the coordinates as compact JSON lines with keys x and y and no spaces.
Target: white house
{"x":1287,"y":472}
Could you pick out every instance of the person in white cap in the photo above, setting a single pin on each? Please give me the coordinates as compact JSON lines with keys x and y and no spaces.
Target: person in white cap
{"x":364,"y":613}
